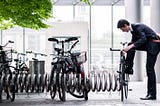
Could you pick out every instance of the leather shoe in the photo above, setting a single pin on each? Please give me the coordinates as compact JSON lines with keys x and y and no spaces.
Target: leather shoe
{"x":149,"y":97}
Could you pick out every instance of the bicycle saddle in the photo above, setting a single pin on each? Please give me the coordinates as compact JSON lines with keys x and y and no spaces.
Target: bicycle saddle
{"x":53,"y":40}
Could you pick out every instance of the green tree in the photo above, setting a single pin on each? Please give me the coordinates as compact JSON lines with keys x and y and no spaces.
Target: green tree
{"x":86,"y":1}
{"x":26,"y":13}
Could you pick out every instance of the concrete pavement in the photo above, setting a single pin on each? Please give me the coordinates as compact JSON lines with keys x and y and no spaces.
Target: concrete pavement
{"x":95,"y":98}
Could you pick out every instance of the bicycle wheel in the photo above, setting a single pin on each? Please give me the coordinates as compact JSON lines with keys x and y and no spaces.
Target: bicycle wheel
{"x":126,"y":85}
{"x":52,"y":86}
{"x":10,"y":88}
{"x":78,"y":93}
{"x":72,"y":82}
{"x":11,"y":92}
{"x":33,"y":83}
{"x":85,"y":92}
{"x":43,"y":78}
{"x":28,"y":83}
{"x":1,"y":93}
{"x":61,"y":88}
{"x":121,"y":87}
{"x":53,"y":91}
{"x":118,"y":83}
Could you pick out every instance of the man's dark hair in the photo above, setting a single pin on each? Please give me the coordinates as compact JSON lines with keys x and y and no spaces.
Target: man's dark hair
{"x":122,"y":22}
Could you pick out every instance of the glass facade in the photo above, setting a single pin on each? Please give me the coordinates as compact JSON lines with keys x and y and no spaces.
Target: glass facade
{"x":102,"y":32}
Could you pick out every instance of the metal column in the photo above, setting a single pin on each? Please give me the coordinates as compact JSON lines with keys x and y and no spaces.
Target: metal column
{"x":133,"y":12}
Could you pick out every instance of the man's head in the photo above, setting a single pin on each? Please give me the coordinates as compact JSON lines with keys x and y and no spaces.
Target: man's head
{"x":124,"y":25}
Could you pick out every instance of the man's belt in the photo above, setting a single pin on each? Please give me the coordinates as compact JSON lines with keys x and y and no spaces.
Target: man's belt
{"x":157,"y":41}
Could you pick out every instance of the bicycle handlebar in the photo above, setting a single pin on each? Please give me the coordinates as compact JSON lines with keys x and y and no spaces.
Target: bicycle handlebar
{"x":7,"y":43}
{"x":73,"y":45}
{"x":63,"y":41}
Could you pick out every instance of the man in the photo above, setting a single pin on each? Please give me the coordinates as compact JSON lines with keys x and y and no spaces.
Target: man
{"x":143,"y":38}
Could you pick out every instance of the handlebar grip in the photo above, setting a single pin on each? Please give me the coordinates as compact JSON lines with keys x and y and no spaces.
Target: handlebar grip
{"x":28,"y":51}
{"x":11,"y":41}
{"x":111,"y":49}
{"x":53,"y":39}
{"x":71,"y":39}
{"x":43,"y":55}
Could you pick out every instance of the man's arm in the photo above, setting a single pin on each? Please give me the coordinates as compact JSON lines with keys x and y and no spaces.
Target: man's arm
{"x":128,"y":47}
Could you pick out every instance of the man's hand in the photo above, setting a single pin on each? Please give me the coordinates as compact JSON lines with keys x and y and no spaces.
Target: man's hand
{"x":128,"y":47}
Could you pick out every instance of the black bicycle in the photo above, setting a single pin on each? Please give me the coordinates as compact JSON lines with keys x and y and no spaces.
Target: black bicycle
{"x":59,"y":68}
{"x":123,"y":78}
{"x":6,"y":77}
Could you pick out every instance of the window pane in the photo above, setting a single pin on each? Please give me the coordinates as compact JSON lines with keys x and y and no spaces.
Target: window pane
{"x":100,"y":35}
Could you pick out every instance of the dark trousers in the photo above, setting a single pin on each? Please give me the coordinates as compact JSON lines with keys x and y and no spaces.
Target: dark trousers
{"x":151,"y":60}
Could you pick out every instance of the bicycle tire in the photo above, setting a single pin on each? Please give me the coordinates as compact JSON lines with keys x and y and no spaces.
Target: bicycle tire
{"x":1,"y":93}
{"x":126,"y":85}
{"x":72,"y":79}
{"x":82,"y":93}
{"x":124,"y":91}
{"x":47,"y":82}
{"x":33,"y":80}
{"x":11,"y":92}
{"x":15,"y":83}
{"x":75,"y":95}
{"x":85,"y":92}
{"x":53,"y":91}
{"x":21,"y":83}
{"x":28,"y":83}
{"x":122,"y":96}
{"x":10,"y":88}
{"x":43,"y":78}
{"x":79,"y":82}
{"x":39,"y":83}
{"x":118,"y":83}
{"x":61,"y":87}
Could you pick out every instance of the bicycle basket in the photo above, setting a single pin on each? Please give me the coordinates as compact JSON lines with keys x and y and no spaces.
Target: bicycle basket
{"x":5,"y":56}
{"x":82,"y":58}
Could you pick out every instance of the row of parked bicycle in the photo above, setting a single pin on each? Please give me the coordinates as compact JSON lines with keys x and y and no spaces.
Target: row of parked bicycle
{"x":67,"y":75}
{"x":65,"y":67}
